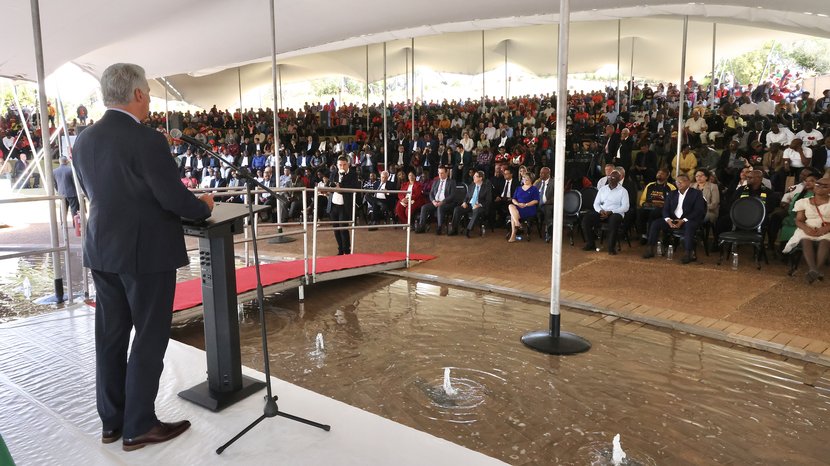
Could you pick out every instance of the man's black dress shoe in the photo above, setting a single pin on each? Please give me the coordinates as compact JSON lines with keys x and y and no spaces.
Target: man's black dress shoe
{"x":162,"y":432}
{"x":467,"y":233}
{"x":110,"y":436}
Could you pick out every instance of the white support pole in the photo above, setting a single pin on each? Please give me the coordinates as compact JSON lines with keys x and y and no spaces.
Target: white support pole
{"x":631,"y":70}
{"x":412,"y":46}
{"x":166,"y":110}
{"x":367,"y":89}
{"x":281,"y":102}
{"x":714,"y":44}
{"x":682,"y":86}
{"x":239,"y":87}
{"x":47,"y":150}
{"x":483,"y":70}
{"x":385,"y":131}
{"x":619,"y":30}
{"x":408,"y":225}
{"x":276,"y":120}
{"x":552,"y":341}
{"x":506,"y":89}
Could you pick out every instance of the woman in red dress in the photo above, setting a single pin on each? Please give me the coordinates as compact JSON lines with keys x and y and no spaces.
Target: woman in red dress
{"x":417,"y":199}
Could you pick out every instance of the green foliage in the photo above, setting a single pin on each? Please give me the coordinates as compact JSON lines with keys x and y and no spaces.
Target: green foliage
{"x":810,"y":55}
{"x":25,"y":93}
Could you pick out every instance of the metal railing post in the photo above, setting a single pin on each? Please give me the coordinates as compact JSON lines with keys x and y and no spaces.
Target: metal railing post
{"x":314,"y":238}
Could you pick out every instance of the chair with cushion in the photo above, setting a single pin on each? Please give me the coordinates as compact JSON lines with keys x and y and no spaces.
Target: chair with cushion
{"x":571,"y":207}
{"x":748,"y":214}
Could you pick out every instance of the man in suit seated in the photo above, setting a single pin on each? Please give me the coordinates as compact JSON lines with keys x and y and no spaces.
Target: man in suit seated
{"x":381,"y":205}
{"x":683,"y":210}
{"x":476,"y":204}
{"x":545,"y":211}
{"x":440,"y":201}
{"x":610,"y":206}
{"x":503,"y":189}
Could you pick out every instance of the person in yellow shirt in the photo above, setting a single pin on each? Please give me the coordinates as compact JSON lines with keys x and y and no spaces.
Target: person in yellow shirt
{"x":687,"y":162}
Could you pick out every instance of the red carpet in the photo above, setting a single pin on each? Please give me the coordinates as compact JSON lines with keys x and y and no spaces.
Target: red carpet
{"x":189,"y":293}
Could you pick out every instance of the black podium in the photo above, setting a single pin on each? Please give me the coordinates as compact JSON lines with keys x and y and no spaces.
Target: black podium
{"x":225,"y":384}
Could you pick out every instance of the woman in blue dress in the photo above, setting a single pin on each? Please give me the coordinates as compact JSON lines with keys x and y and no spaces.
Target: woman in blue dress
{"x":523,"y":204}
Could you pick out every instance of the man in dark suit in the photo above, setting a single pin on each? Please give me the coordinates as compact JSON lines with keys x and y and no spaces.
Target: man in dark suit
{"x":683,"y":210}
{"x":440,"y":201}
{"x":134,"y":244}
{"x":476,"y":204}
{"x":545,"y":210}
{"x":820,"y":156}
{"x":341,"y":203}
{"x":66,"y":185}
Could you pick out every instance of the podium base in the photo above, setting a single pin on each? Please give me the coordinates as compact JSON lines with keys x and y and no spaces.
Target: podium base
{"x":215,"y":401}
{"x":566,"y":343}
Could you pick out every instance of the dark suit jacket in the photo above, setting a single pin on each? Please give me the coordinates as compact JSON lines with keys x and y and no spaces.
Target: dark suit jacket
{"x":136,"y":198}
{"x":485,"y":194}
{"x":694,"y":206}
{"x":349,"y":180}
{"x":548,"y":191}
{"x":820,"y":157}
{"x":449,"y":189}
{"x":64,"y":181}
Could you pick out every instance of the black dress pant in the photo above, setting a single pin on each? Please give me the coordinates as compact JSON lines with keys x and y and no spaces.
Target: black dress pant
{"x":126,"y":389}
{"x":339,"y":214}
{"x":689,"y":229}
{"x":473,"y":216}
{"x":592,"y":219}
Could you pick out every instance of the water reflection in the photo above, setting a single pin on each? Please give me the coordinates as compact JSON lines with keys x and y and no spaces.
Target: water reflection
{"x":673,"y":397}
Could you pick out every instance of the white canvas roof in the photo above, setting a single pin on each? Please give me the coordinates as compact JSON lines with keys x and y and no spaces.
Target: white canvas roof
{"x":314,"y":38}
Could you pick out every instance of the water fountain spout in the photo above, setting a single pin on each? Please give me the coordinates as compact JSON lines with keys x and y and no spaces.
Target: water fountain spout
{"x":27,"y":288}
{"x":449,"y":390}
{"x":319,"y":343}
{"x":618,"y":454}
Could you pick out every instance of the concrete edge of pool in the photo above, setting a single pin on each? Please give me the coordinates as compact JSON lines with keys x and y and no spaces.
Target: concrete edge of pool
{"x":776,"y":342}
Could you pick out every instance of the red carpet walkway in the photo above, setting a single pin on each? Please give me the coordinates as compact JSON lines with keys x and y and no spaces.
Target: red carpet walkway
{"x":189,"y":293}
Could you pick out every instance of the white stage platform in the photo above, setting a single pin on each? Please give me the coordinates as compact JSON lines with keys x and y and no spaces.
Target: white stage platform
{"x":48,"y":416}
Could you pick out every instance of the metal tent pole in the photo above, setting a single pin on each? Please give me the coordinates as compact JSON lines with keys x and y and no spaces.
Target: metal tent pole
{"x":682,"y":87}
{"x":276,"y":122}
{"x":412,"y":46}
{"x":385,"y":131}
{"x":483,"y":69}
{"x":506,"y":90}
{"x":714,"y":44}
{"x":619,"y":30}
{"x":367,"y":89}
{"x":47,"y":150}
{"x":553,"y":341}
{"x":631,"y":71}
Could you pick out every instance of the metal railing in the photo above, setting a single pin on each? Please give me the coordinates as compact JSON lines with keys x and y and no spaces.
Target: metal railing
{"x":318,"y":192}
{"x":65,"y":248}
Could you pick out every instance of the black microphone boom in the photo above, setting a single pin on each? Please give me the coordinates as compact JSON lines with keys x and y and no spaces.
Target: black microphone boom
{"x":241,"y":171}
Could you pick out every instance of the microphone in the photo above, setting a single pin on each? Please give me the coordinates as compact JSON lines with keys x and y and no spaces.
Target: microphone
{"x":195,"y":142}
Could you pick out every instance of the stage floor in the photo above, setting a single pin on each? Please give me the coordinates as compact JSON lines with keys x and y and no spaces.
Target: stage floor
{"x":48,"y":416}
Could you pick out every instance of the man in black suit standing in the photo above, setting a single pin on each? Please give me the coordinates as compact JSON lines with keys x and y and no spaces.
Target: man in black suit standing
{"x":66,"y":185}
{"x":545,"y":211}
{"x":341,"y":203}
{"x":683,"y":210}
{"x":134,"y":244}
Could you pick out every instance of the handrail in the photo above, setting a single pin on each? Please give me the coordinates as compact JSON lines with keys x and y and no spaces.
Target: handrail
{"x":14,"y":200}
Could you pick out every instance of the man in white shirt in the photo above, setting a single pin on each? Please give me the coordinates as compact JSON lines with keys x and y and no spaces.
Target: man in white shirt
{"x":610,"y":206}
{"x":766,"y":106}
{"x":696,"y":129}
{"x":798,"y":155}
{"x":490,"y":132}
{"x":809,"y":135}
{"x":779,"y":135}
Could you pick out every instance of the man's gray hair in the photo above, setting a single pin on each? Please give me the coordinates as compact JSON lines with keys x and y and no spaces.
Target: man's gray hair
{"x":119,"y":81}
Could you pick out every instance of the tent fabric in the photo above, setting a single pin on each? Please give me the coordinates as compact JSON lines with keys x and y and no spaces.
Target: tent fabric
{"x":202,"y":37}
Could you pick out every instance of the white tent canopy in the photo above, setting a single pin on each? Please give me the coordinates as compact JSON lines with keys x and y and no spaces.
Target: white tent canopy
{"x":203,"y":37}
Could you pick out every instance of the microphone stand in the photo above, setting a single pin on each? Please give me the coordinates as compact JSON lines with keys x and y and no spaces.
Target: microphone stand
{"x":271,"y":409}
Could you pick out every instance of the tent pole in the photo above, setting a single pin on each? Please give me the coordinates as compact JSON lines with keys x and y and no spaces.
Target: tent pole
{"x":276,"y":146}
{"x":482,"y":69}
{"x":714,"y":43}
{"x":412,"y":45}
{"x":281,"y":102}
{"x":47,"y":150}
{"x":631,"y":70}
{"x":367,"y":89}
{"x":682,"y":87}
{"x":553,"y":341}
{"x":385,"y":132}
{"x":619,"y":30}
{"x":506,"y":89}
{"x":239,"y":87}
{"x":166,"y":110}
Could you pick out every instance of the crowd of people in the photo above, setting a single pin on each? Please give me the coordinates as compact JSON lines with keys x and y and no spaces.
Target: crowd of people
{"x":489,"y":162}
